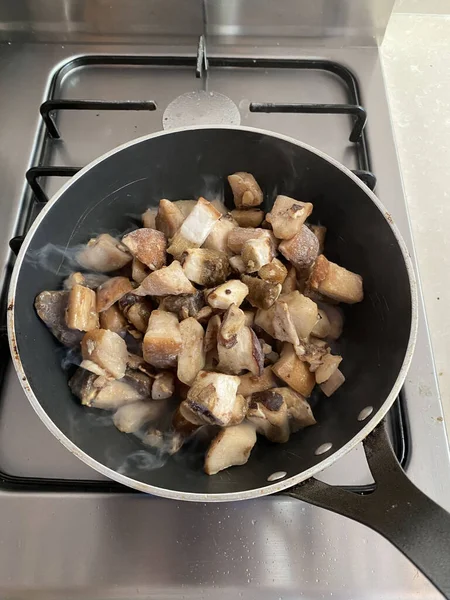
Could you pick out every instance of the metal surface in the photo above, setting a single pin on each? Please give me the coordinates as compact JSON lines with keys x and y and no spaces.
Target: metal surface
{"x":73,"y":545}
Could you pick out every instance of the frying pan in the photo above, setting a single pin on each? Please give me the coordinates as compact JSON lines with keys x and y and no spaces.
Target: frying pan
{"x":377,"y":344}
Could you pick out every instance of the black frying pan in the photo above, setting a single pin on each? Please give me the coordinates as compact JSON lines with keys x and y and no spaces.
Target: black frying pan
{"x":377,"y":344}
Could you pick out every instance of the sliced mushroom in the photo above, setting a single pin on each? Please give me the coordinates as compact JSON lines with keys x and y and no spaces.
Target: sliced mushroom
{"x":294,"y":372}
{"x":107,"y":350}
{"x":299,"y":411}
{"x":163,"y":386}
{"x":273,"y":272}
{"x":301,"y":250}
{"x":148,"y":246}
{"x":195,"y":229}
{"x":162,"y":342}
{"x":290,"y":283}
{"x":218,"y":238}
{"x":233,"y":321}
{"x":129,"y":418}
{"x":333,"y":383}
{"x":206,"y":267}
{"x":322,"y":327}
{"x":191,"y":358}
{"x":139,"y":271}
{"x":268,"y":412}
{"x":320,"y":232}
{"x":169,"y":218}
{"x":257,"y":253}
{"x":283,"y":325}
{"x":212,"y":333}
{"x":184,"y":305}
{"x":239,"y":235}
{"x":231,"y":292}
{"x":168,"y":281}
{"x":287,"y":216}
{"x":336,"y":320}
{"x":261,"y":294}
{"x":149,"y":218}
{"x":81,"y":310}
{"x":246,"y":191}
{"x":303,"y":312}
{"x":246,"y":354}
{"x":212,"y":398}
{"x":51,"y":309}
{"x":111,"y":291}
{"x":113,"y":319}
{"x":252,"y":217}
{"x":232,"y":446}
{"x":336,"y":282}
{"x":104,"y":254}
{"x":250,"y":384}
{"x":328,"y":366}
{"x":237,"y":264}
{"x":137,"y":310}
{"x":115,"y":394}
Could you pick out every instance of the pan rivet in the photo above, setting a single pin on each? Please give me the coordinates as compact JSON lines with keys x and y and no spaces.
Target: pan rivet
{"x":323,"y":448}
{"x":365,"y":413}
{"x":277,"y":475}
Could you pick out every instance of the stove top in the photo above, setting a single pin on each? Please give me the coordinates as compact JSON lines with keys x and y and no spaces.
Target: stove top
{"x":68,"y":531}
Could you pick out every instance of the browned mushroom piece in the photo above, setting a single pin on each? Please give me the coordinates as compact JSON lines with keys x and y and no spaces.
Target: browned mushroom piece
{"x":301,"y":250}
{"x":204,"y":314}
{"x":51,"y":309}
{"x":233,"y":321}
{"x":273,"y":272}
{"x":169,"y":218}
{"x":163,"y":385}
{"x":327,"y":368}
{"x":336,"y":282}
{"x":320,"y":232}
{"x":250,"y":384}
{"x":211,"y":334}
{"x":303,"y":312}
{"x":294,"y":372}
{"x":218,"y":238}
{"x":269,"y":414}
{"x":261,"y":294}
{"x":333,"y":383}
{"x":81,"y":310}
{"x":232,"y":446}
{"x":107,"y":350}
{"x":76,"y":278}
{"x":322,"y":328}
{"x":148,"y":246}
{"x":195,"y":229}
{"x":104,"y":254}
{"x":162,"y":342}
{"x":182,"y":425}
{"x":211,"y":399}
{"x":111,"y":291}
{"x":252,"y":217}
{"x":184,"y":305}
{"x":249,"y":316}
{"x":336,"y":320}
{"x":129,"y":418}
{"x":287,"y":216}
{"x":246,"y":191}
{"x":114,"y":394}
{"x":238,"y":236}
{"x":82,"y":386}
{"x":206,"y":267}
{"x":264,"y":320}
{"x":149,"y":218}
{"x":237,"y":264}
{"x":139,"y":271}
{"x":231,"y":292}
{"x":299,"y":411}
{"x":137,"y":363}
{"x":290,"y":283}
{"x":137,"y":310}
{"x":283,"y":324}
{"x":245,"y":355}
{"x":168,"y":281}
{"x":257,"y":253}
{"x":311,"y":353}
{"x":239,"y":410}
{"x":113,"y":319}
{"x":191,"y":358}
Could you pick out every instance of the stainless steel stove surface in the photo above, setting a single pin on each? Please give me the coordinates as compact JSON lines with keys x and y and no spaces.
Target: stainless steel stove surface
{"x":68,"y":532}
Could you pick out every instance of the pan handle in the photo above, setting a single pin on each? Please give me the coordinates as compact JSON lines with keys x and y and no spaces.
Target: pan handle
{"x":397,"y":510}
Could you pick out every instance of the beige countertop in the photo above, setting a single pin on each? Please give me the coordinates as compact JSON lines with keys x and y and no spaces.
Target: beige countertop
{"x":416,"y":58}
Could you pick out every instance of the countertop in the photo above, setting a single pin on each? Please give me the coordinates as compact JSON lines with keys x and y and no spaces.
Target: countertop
{"x":416,"y":58}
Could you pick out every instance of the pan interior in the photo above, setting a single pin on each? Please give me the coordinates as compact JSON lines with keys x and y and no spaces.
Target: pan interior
{"x":110,"y":197}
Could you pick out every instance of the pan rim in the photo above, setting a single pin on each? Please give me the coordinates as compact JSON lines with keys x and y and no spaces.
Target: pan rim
{"x":228,"y":496}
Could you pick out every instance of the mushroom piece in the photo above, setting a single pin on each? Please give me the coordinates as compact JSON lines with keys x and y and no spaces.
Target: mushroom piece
{"x":264,"y":320}
{"x":81,"y":310}
{"x":162,"y":342}
{"x":195,"y":229}
{"x":303,"y":312}
{"x":82,"y":386}
{"x":149,"y":218}
{"x":245,"y":354}
{"x":137,"y":310}
{"x":218,"y":238}
{"x":257,"y":253}
{"x":231,"y":292}
{"x":129,"y":418}
{"x":211,"y":334}
{"x":89,"y":280}
{"x":139,"y":271}
{"x":163,"y":385}
{"x":184,"y":305}
{"x":283,"y":325}
{"x":322,"y":327}
{"x":239,"y":235}
{"x":301,"y":250}
{"x":336,"y":320}
{"x":169,"y":218}
{"x":294,"y":372}
{"x":232,"y":446}
{"x":237,"y":264}
{"x":249,"y":316}
{"x":252,"y":217}
{"x":113,"y":319}
{"x":269,"y":414}
{"x":211,"y":399}
{"x":261,"y":294}
{"x":287,"y":216}
{"x":168,"y":281}
{"x":206,"y":267}
{"x":204,"y":314}
{"x":111,"y":291}
{"x":246,"y":191}
{"x":74,"y":279}
{"x":335,"y":282}
{"x":51,"y":309}
{"x":115,"y":394}
{"x":250,"y":384}
{"x":320,"y":232}
{"x":299,"y":411}
{"x":273,"y":272}
{"x":148,"y":246}
{"x":333,"y":383}
{"x":233,"y":321}
{"x":104,"y":254}
{"x":107,"y":350}
{"x":290,"y":283}
{"x":191,"y":358}
{"x":328,"y":366}
{"x":186,"y":206}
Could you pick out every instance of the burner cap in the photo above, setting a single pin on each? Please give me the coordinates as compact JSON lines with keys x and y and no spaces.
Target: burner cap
{"x":201,"y":108}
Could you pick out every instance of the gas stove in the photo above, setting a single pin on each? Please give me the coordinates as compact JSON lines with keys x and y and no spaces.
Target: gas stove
{"x":66,"y":530}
